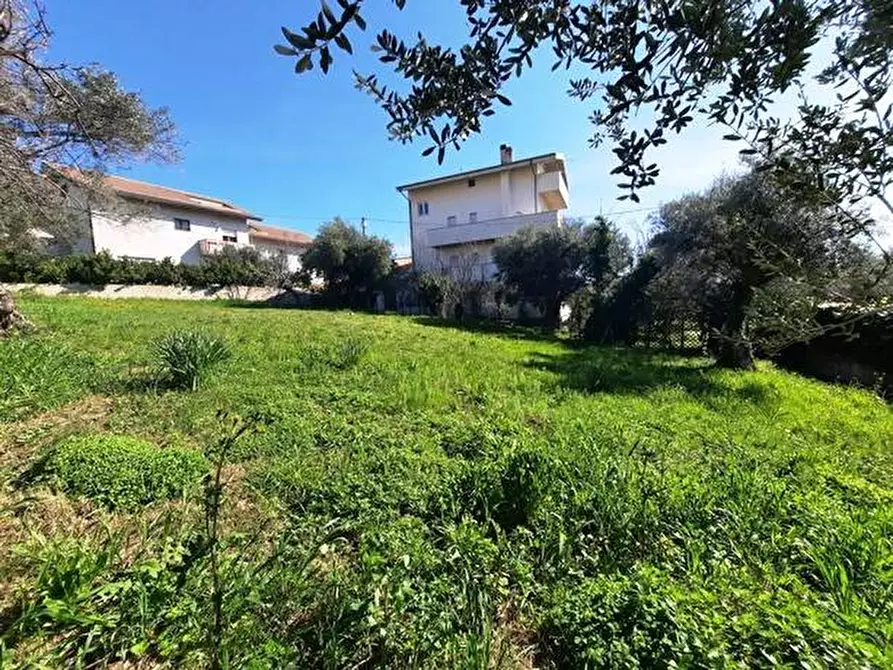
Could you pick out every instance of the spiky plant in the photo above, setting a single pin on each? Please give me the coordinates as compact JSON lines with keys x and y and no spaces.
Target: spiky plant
{"x":184,"y":357}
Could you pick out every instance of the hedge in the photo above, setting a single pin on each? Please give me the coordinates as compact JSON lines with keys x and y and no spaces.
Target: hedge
{"x":230,"y":267}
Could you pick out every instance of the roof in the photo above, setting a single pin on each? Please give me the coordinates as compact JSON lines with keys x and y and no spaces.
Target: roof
{"x":144,"y":191}
{"x":279,"y":235}
{"x":481,"y":171}
{"x":403,"y":262}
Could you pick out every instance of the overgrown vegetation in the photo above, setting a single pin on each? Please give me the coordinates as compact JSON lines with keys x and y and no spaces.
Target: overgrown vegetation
{"x":433,"y":497}
{"x":184,"y":357}
{"x":126,"y":472}
{"x":231,"y":266}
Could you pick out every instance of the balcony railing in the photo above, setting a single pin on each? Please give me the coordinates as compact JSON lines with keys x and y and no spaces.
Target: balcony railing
{"x":210,"y":247}
{"x":491,"y":229}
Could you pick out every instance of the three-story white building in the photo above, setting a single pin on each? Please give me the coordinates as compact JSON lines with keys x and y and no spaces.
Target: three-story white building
{"x":456,"y":220}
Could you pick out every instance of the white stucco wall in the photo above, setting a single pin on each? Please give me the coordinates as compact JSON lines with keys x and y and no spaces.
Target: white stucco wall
{"x":496,"y":196}
{"x":153,"y":236}
{"x":292,"y":254}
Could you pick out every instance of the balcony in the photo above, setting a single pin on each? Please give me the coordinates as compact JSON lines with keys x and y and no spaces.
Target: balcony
{"x":552,"y":190}
{"x":211,"y":247}
{"x":492,"y":229}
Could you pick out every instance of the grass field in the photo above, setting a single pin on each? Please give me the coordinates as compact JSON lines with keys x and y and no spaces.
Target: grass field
{"x":409,"y":494}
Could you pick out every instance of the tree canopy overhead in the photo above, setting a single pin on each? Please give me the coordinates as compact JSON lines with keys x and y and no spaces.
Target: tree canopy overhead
{"x":57,"y":113}
{"x":670,"y":61}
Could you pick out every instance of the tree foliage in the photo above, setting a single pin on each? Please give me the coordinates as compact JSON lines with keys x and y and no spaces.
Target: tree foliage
{"x":353,"y":265}
{"x":746,"y":257}
{"x":58,"y":113}
{"x":547,"y":265}
{"x":668,"y":61}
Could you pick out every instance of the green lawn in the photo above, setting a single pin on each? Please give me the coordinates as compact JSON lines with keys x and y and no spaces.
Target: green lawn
{"x":417,"y":495}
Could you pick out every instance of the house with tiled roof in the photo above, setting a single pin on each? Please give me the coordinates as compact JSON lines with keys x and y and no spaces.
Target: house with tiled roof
{"x":158,"y":222}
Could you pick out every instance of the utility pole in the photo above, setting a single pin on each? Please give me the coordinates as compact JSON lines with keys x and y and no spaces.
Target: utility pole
{"x":363,"y":225}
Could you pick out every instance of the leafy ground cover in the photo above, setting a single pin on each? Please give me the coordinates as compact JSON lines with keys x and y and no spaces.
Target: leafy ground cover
{"x":410,"y":494}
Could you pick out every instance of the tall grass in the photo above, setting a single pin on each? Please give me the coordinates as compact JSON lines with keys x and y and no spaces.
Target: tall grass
{"x":439,"y":498}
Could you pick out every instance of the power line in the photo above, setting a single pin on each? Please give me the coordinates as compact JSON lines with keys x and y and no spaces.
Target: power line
{"x":372,"y":219}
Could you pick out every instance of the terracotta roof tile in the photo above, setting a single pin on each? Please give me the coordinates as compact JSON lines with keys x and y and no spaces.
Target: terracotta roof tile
{"x":279,"y":235}
{"x":140,"y":190}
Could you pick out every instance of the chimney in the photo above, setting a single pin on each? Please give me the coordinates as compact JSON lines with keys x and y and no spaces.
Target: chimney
{"x":505,"y":153}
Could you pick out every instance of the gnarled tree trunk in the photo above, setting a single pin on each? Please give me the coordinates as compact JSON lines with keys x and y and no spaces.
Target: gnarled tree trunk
{"x":10,"y":318}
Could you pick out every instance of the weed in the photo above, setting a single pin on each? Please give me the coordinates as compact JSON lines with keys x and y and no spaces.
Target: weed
{"x":40,"y":373}
{"x":185,"y":357}
{"x":125,"y":472}
{"x":628,"y":510}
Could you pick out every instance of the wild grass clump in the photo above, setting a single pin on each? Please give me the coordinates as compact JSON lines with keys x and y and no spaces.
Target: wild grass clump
{"x":341,"y":355}
{"x":185,"y":357}
{"x":40,"y":373}
{"x":124,"y":472}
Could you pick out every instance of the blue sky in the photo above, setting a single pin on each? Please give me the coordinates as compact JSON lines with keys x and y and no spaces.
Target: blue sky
{"x":301,"y":150}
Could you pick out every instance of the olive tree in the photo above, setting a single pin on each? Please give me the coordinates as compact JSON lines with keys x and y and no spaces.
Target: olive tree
{"x":352,"y":265}
{"x":546,"y":265}
{"x":756,"y":264}
{"x":650,"y":68}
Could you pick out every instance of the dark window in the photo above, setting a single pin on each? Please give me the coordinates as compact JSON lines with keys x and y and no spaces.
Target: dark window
{"x":230,"y":238}
{"x":423,"y":208}
{"x":472,"y":183}
{"x":472,"y":217}
{"x":182,"y":224}
{"x":451,"y":220}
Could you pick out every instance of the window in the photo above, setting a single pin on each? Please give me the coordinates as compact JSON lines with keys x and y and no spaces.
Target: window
{"x":451,"y":220}
{"x":182,"y":224}
{"x":472,"y":183}
{"x":472,"y":217}
{"x":423,"y":208}
{"x":230,"y":238}
{"x":454,"y":260}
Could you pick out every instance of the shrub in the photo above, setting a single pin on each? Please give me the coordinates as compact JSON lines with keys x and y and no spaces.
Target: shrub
{"x":184,"y":357}
{"x":435,"y":290}
{"x":232,"y":266}
{"x":124,"y":472}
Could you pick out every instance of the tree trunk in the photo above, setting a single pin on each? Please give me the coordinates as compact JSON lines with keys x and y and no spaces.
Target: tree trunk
{"x":730,"y":345}
{"x":734,"y":353}
{"x":10,"y":318}
{"x":728,"y":341}
{"x":552,"y":315}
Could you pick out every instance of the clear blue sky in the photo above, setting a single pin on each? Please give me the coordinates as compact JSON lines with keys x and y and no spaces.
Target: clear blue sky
{"x":300,"y":150}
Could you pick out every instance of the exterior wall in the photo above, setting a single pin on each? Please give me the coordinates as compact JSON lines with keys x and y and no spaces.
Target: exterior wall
{"x":292,"y":253}
{"x":152,"y":235}
{"x":503,"y":202}
{"x":494,"y":196}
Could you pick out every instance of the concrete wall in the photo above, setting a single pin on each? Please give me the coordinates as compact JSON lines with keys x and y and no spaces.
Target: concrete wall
{"x":250,"y":293}
{"x":152,"y":235}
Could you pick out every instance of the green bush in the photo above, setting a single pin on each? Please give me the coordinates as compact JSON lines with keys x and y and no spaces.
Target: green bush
{"x":230,"y":267}
{"x":184,"y":357}
{"x":124,"y":472}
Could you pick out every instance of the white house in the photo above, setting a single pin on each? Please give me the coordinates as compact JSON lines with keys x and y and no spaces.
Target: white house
{"x":271,"y":241}
{"x":454,"y":221}
{"x":159,"y":222}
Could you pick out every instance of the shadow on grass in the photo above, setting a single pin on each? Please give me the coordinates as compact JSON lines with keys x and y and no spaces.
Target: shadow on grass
{"x":489,"y":327}
{"x":630,"y":372}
